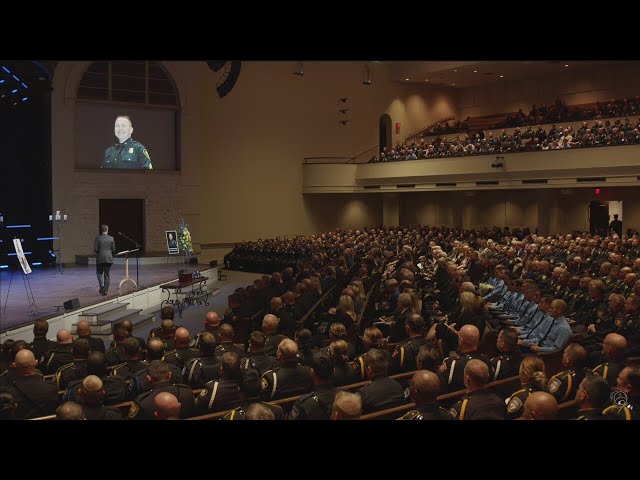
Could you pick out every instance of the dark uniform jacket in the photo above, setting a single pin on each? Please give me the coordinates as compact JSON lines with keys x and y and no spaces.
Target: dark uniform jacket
{"x":259,"y":362}
{"x":286,"y":380}
{"x":271,"y":344}
{"x":610,"y":371}
{"x":101,"y":413}
{"x":453,"y":369}
{"x":564,"y":385}
{"x":115,"y":354}
{"x":57,"y":358}
{"x":229,"y":347}
{"x":479,"y":405}
{"x":95,"y":344}
{"x":128,"y":154}
{"x":428,"y":412}
{"x":35,"y":397}
{"x":41,"y":346}
{"x":381,"y":393}
{"x":180,"y":357}
{"x":240,"y":412}
{"x":629,"y":409}
{"x":139,"y":383}
{"x":515,"y":403}
{"x":128,"y":368}
{"x":115,"y":390}
{"x":218,"y":395}
{"x":199,"y":371}
{"x":506,"y":365}
{"x":345,"y":374}
{"x":403,"y":358}
{"x":71,"y":371}
{"x":316,"y":405}
{"x":359,"y":368}
{"x":591,"y":414}
{"x":142,"y":407}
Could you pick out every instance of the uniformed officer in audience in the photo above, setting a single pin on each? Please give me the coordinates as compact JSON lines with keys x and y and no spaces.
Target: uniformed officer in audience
{"x":91,"y":396}
{"x":507,"y":364}
{"x":479,"y":403}
{"x":115,"y":388}
{"x":626,"y":396}
{"x":182,"y":353}
{"x":250,"y":393}
{"x":226,"y":343}
{"x":132,"y":364}
{"x":40,"y":344}
{"x":318,"y":404}
{"x":77,"y":369}
{"x":167,"y":406}
{"x":592,"y":398}
{"x":564,"y":385}
{"x":540,"y":406}
{"x":272,"y":338}
{"x":403,"y":358}
{"x":532,"y":379}
{"x":612,"y":358}
{"x":138,"y":382}
{"x":59,"y":356}
{"x":346,"y":406}
{"x":143,"y":408}
{"x":204,"y":368}
{"x":289,"y":378}
{"x":33,"y":396}
{"x":83,"y":330}
{"x":256,"y":358}
{"x":452,"y":368}
{"x":382,"y":392}
{"x":372,"y":338}
{"x":223,"y":394}
{"x":424,"y":390}
{"x":115,"y":354}
{"x":211,"y":325}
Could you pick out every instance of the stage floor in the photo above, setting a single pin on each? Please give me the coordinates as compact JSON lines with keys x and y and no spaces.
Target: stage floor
{"x":51,"y":288}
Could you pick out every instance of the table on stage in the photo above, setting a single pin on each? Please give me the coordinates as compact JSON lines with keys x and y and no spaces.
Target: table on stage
{"x":126,"y":268}
{"x":197,"y":294}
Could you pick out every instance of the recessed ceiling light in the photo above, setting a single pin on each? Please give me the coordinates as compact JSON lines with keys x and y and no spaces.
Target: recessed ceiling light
{"x":501,"y":76}
{"x":427,"y":80}
{"x":566,"y":65}
{"x":475,"y":71}
{"x":407,"y":79}
{"x":455,"y":70}
{"x":453,"y":84}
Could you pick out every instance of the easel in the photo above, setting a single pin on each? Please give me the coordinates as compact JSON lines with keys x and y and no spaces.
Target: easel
{"x":126,"y":268}
{"x":30,"y":298}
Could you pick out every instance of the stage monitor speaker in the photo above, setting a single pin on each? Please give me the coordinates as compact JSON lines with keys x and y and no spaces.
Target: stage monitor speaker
{"x":72,"y":304}
{"x":213,"y":263}
{"x":193,"y":260}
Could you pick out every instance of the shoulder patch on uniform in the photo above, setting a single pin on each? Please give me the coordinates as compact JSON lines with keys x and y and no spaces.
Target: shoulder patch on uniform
{"x":514,"y":405}
{"x":554,"y":385}
{"x":203,"y":392}
{"x":133,"y":410}
{"x":264,"y":383}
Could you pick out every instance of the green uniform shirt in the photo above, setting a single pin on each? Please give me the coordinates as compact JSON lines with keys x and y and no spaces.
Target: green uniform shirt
{"x":129,"y":154}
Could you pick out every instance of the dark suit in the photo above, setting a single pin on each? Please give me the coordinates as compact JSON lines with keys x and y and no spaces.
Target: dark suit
{"x":105,"y":248}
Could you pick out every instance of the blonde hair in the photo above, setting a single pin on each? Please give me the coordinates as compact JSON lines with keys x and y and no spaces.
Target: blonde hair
{"x":339,"y":351}
{"x":532,"y":370}
{"x":346,"y":305}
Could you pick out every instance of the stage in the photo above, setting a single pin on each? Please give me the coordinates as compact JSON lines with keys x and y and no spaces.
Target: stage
{"x":51,"y":289}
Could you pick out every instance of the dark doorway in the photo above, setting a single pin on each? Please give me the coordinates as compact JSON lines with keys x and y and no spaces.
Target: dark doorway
{"x":126,"y":216}
{"x":385,"y":132}
{"x":598,"y":218}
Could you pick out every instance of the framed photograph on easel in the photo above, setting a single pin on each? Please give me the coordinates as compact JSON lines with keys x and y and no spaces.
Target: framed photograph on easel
{"x":172,"y":242}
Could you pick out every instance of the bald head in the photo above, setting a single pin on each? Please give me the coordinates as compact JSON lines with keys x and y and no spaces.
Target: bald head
{"x":425,"y":387}
{"x":614,"y":346}
{"x":468,"y":338}
{"x":540,"y":406}
{"x":92,"y":391}
{"x":275,"y":304}
{"x":167,"y":406}
{"x":25,"y":362}
{"x":258,"y":411}
{"x":64,"y":336}
{"x":182,"y":338}
{"x":287,"y":350}
{"x":211,"y":319}
{"x":269,"y":323}
{"x":92,"y":383}
{"x":70,"y":411}
{"x":83,"y":328}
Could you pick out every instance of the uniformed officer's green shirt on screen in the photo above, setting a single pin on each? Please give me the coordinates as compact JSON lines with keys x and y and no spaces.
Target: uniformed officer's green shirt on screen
{"x":127,"y":153}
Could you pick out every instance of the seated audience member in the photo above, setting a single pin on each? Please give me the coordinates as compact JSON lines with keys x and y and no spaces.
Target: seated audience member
{"x":626,"y":396}
{"x":424,"y":390}
{"x":69,"y":411}
{"x":91,"y":396}
{"x":564,"y":385}
{"x":167,"y":406}
{"x":532,"y":379}
{"x":540,"y":406}
{"x":592,"y":397}
{"x":479,"y":403}
{"x":318,"y":404}
{"x":382,"y":392}
{"x":346,"y":406}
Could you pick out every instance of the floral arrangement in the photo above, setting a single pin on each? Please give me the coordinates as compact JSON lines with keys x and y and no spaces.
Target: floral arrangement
{"x":184,"y":238}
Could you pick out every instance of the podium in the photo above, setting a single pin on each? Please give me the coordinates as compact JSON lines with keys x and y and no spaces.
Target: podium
{"x":126,"y":268}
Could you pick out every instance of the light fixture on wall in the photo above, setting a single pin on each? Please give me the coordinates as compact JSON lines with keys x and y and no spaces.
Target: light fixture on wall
{"x":300,"y":71}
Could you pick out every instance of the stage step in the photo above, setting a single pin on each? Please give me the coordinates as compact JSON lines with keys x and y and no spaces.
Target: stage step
{"x":116,"y":317}
{"x":103,"y":310}
{"x":103,"y":327}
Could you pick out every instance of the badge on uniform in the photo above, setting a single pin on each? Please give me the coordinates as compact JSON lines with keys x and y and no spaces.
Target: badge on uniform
{"x":133,"y":410}
{"x":554,"y":385}
{"x":515,"y":404}
{"x":130,"y":149}
{"x":203,"y":392}
{"x":264,"y":384}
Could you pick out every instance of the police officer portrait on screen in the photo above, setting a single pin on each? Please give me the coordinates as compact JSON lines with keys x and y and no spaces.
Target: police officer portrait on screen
{"x":127,"y":153}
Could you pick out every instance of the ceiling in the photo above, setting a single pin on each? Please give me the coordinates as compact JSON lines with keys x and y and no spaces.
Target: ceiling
{"x":461,"y":74}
